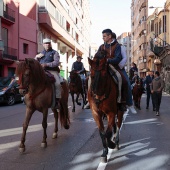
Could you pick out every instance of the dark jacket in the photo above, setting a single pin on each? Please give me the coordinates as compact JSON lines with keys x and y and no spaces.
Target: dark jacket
{"x":148,"y":81}
{"x":78,"y":66}
{"x":115,"y":58}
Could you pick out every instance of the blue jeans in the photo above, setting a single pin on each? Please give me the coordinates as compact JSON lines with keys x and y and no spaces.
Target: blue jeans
{"x":129,"y":101}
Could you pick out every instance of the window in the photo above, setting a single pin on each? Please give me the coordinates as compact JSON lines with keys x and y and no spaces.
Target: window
{"x":160,"y":27}
{"x":67,"y":26}
{"x":164,"y":23}
{"x":5,"y":36}
{"x":25,"y":48}
{"x":152,"y":25}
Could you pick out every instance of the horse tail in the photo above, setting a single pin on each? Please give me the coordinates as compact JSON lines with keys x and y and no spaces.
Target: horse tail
{"x":64,"y":111}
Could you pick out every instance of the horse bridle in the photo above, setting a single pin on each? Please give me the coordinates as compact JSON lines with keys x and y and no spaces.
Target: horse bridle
{"x":103,"y":96}
{"x":20,"y":81}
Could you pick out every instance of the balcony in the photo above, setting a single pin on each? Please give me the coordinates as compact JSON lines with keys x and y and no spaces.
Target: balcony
{"x":53,"y":25}
{"x":8,"y":15}
{"x":157,"y":49}
{"x":9,"y":55}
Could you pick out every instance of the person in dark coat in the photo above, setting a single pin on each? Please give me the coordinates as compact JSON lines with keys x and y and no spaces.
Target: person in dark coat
{"x":132,"y":70}
{"x":148,"y":81}
{"x":157,"y":86}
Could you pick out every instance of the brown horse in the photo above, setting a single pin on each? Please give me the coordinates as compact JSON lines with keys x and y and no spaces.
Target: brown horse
{"x":38,"y":91}
{"x":102,"y":97}
{"x":76,"y":87}
{"x":137,"y":92}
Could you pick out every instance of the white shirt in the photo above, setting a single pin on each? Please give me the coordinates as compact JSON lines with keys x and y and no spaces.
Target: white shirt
{"x":124,"y":57}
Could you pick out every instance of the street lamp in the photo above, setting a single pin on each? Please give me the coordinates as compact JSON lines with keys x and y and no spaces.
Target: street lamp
{"x":164,"y":21}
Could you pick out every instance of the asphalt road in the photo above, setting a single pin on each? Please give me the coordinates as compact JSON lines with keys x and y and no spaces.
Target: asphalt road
{"x":144,"y":141}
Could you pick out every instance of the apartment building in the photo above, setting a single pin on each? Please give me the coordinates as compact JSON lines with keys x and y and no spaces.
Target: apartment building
{"x":138,"y":34}
{"x":158,"y":25}
{"x":18,"y":35}
{"x":67,"y":23}
{"x":125,"y":40}
{"x":24,"y":25}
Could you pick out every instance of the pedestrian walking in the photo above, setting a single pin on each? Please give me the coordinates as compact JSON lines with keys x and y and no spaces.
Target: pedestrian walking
{"x":157,"y":86}
{"x":148,"y":81}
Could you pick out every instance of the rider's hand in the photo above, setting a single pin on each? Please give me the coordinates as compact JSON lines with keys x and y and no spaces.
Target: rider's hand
{"x":44,"y":65}
{"x":78,"y":72}
{"x":151,"y":91}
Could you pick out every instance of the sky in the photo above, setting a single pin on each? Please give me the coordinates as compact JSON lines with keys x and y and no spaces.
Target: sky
{"x":113,"y":14}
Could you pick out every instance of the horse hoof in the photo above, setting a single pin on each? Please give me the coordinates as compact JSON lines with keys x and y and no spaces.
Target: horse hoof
{"x":73,"y":110}
{"x":103,"y":159}
{"x":111,"y":145}
{"x":66,"y":126}
{"x":54,"y":135}
{"x":43,"y":145}
{"x":79,"y":104}
{"x":21,"y":150}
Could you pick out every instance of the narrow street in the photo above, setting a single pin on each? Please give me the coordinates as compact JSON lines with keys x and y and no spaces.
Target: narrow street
{"x":144,"y":141}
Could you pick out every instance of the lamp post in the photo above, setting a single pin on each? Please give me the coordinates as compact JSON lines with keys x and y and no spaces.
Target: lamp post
{"x":164,"y":21}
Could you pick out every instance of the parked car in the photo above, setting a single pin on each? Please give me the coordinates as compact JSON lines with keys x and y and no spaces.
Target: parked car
{"x":9,"y":92}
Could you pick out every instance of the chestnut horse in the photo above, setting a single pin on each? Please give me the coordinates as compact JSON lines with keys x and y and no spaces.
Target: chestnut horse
{"x":76,"y":87}
{"x":102,"y":97}
{"x":137,"y":92}
{"x":38,"y":90}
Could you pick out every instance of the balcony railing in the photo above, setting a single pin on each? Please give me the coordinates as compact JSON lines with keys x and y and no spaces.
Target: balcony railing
{"x":156,"y":47}
{"x":9,"y":53}
{"x":9,"y":13}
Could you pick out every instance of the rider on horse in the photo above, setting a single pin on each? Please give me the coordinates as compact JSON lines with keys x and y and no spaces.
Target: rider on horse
{"x":50,"y":60}
{"x":79,"y":67}
{"x":113,"y":49}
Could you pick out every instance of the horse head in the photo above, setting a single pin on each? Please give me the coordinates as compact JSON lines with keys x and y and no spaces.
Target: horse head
{"x":74,"y":77}
{"x":29,"y":72}
{"x":99,"y":73}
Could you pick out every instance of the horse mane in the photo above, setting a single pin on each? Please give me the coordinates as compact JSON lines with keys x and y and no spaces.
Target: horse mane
{"x":38,"y":76}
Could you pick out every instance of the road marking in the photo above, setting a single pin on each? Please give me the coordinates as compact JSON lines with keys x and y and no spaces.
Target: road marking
{"x":102,"y":166}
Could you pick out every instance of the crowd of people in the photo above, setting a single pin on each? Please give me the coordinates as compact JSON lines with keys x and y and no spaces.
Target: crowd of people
{"x":152,"y":83}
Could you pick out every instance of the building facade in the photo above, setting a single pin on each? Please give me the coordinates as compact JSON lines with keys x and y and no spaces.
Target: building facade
{"x":18,"y":29}
{"x":138,"y":34}
{"x":24,"y":25}
{"x":125,"y":40}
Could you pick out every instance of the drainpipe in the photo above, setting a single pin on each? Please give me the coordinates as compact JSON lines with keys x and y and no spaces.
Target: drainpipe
{"x":164,"y":24}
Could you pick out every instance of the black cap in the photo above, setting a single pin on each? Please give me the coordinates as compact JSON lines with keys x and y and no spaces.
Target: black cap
{"x":79,"y":57}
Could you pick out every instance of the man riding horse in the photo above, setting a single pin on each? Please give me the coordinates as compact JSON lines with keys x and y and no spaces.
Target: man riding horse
{"x":79,"y":67}
{"x":113,"y":49}
{"x":50,"y":60}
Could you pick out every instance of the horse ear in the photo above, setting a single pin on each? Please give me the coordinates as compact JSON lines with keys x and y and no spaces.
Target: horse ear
{"x":90,"y":61}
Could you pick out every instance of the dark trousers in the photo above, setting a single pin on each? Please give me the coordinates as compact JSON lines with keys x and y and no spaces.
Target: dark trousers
{"x":157,"y":96}
{"x":149,"y":95}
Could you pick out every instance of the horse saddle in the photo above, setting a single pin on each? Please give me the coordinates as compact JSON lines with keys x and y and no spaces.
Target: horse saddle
{"x":50,"y":76}
{"x":113,"y":74}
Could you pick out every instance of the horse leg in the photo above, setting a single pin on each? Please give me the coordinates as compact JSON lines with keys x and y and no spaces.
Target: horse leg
{"x":109,"y":131}
{"x":56,"y":123}
{"x":139,"y":103}
{"x":44,"y":125}
{"x":72,"y":96}
{"x":119,"y":124}
{"x":25,"y":126}
{"x":84,"y":101}
{"x":99,"y":122}
{"x":78,"y":103}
